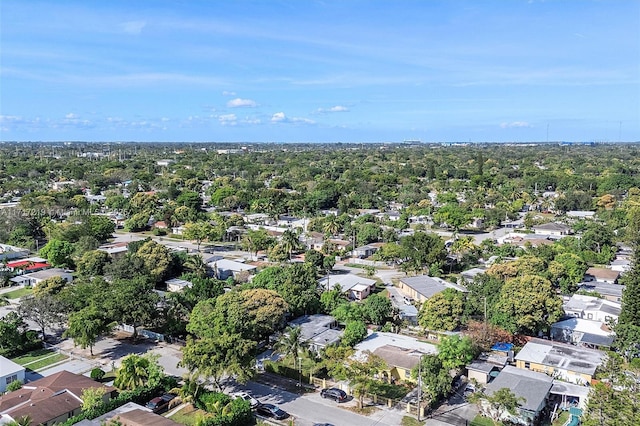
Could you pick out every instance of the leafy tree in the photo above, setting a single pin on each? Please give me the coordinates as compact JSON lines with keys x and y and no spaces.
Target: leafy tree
{"x":92,"y":398}
{"x":86,"y":326}
{"x":527,"y":304}
{"x":14,"y":336}
{"x":156,"y":258}
{"x":628,"y":327}
{"x":51,"y":286}
{"x":442,"y":311}
{"x":58,"y":253}
{"x":501,"y":402}
{"x":456,"y":351}
{"x":101,"y":227}
{"x":314,"y":257}
{"x":360,"y":372}
{"x":92,"y":263}
{"x":422,"y":250}
{"x":377,"y":308}
{"x":354,"y":333}
{"x":435,"y":378}
{"x":256,"y":240}
{"x":331,"y":299}
{"x":133,"y":302}
{"x":200,"y":231}
{"x":196,"y":265}
{"x":44,"y":310}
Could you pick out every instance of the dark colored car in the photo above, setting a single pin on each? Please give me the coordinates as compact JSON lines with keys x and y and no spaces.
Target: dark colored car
{"x":336,"y":394}
{"x":169,"y":397}
{"x":157,"y":405}
{"x":270,"y":410}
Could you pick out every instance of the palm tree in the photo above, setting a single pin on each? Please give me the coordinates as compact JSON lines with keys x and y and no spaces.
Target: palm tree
{"x":197,"y":265}
{"x":21,"y":421}
{"x":290,"y":242}
{"x":290,"y":343}
{"x":331,"y":225}
{"x":132,"y":372}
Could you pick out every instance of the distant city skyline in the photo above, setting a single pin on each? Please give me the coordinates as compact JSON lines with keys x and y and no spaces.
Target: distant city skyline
{"x":320,"y":71}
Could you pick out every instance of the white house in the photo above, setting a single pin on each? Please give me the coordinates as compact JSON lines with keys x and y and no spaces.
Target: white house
{"x":354,"y":286}
{"x":554,"y":229}
{"x":592,"y":308}
{"x":35,"y":278}
{"x":9,"y":372}
{"x":175,"y":285}
{"x":225,"y":268}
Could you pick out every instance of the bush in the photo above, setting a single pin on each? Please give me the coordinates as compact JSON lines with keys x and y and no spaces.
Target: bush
{"x":213,"y":402}
{"x":97,"y":374}
{"x":14,"y":386}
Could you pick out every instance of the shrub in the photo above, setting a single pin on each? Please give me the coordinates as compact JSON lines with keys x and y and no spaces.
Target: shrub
{"x":97,"y":374}
{"x":14,"y":386}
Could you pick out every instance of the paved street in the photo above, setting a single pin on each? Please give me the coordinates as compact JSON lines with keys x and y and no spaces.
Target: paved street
{"x":311,"y":408}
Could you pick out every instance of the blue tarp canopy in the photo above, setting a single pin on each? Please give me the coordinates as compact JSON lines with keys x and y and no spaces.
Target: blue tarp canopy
{"x":501,"y":346}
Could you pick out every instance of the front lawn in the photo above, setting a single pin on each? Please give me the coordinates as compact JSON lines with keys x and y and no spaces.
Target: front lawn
{"x":32,"y":356}
{"x":482,"y":421}
{"x":188,"y":416}
{"x":46,"y":362}
{"x":17,"y":294}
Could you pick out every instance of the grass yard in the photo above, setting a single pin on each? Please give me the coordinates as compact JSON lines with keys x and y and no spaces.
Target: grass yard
{"x":45,"y":362}
{"x":410,"y":421}
{"x":482,"y":421}
{"x":17,"y":294}
{"x":562,"y":418}
{"x":39,"y":359}
{"x":32,"y":356}
{"x":187,"y":416}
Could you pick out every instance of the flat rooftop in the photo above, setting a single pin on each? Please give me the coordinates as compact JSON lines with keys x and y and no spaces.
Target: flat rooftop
{"x":561,"y":355}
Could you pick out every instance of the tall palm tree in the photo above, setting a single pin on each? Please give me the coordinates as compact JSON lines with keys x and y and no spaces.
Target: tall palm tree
{"x":331,"y":225}
{"x":290,"y":242}
{"x":133,"y":372}
{"x":290,"y":343}
{"x":197,"y":265}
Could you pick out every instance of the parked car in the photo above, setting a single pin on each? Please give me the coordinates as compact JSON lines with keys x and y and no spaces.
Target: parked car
{"x":336,"y":394}
{"x":157,"y":405}
{"x":169,"y":397}
{"x":244,"y":395}
{"x":270,"y":410}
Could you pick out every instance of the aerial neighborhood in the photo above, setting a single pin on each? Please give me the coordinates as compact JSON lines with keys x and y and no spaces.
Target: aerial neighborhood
{"x":328,"y":284}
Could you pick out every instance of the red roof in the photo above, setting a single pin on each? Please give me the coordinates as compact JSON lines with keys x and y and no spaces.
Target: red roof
{"x":28,"y":265}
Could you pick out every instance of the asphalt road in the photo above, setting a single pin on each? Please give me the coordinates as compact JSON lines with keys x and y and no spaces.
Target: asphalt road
{"x":311,"y":408}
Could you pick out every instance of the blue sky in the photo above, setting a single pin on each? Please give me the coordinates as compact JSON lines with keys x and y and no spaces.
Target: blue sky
{"x":325,"y":71}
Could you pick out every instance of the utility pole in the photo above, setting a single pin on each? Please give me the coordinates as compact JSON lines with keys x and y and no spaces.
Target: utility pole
{"x":419,"y":386}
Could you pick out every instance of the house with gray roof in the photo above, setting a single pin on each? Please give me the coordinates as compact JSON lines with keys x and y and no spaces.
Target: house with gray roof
{"x":560,"y":360}
{"x":592,"y":308}
{"x":552,"y":229}
{"x":35,"y":278}
{"x":423,"y":287}
{"x":608,"y":291}
{"x":532,"y":387}
{"x":354,"y":286}
{"x":318,"y":331}
{"x":583,"y":332}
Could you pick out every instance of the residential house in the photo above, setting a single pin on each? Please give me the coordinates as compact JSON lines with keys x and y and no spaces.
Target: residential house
{"x":115,"y":250}
{"x":621,"y":265}
{"x":354,"y":286}
{"x":365,"y":251}
{"x":9,"y":372}
{"x":25,"y":266}
{"x":8,"y":252}
{"x":583,"y":332}
{"x":225,"y":268}
{"x":468,"y":276}
{"x":592,"y":308}
{"x":35,"y":278}
{"x":175,"y":285}
{"x":423,"y":287}
{"x":564,"y":361}
{"x":553,"y":229}
{"x":486,"y":366}
{"x":603,"y":275}
{"x":608,"y":291}
{"x":165,"y":162}
{"x":534,"y":389}
{"x":313,"y":240}
{"x":318,"y":331}
{"x":400,"y":352}
{"x":51,"y":400}
{"x":129,"y":414}
{"x":581,"y":214}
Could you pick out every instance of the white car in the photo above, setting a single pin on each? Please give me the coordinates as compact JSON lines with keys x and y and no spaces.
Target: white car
{"x":244,"y":395}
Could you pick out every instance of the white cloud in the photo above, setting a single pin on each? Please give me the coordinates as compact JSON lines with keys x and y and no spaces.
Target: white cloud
{"x":337,"y":108}
{"x":228,"y":119}
{"x":515,"y":124}
{"x":132,"y":27}
{"x":239,"y":102}
{"x":71,"y":116}
{"x":227,"y":93}
{"x":278,"y":117}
